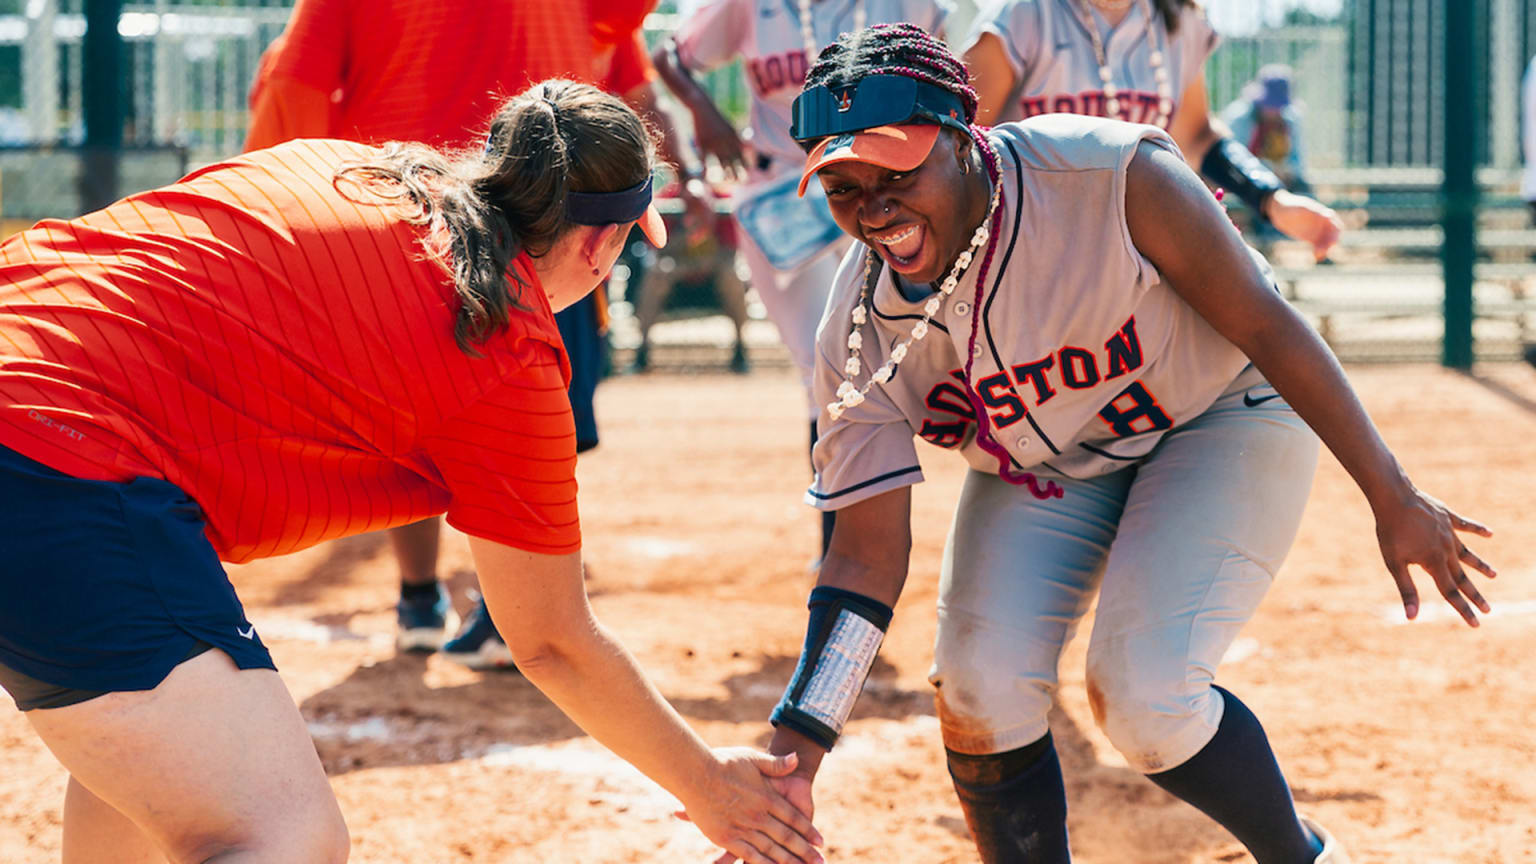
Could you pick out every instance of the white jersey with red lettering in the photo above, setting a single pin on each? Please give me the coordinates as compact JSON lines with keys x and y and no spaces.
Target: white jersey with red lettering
{"x":791,"y":245}
{"x":766,"y":35}
{"x":1056,"y":71}
{"x":1084,"y":356}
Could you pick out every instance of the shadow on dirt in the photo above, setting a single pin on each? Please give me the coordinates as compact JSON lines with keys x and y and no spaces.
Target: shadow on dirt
{"x":385,"y":714}
{"x":1503,"y":390}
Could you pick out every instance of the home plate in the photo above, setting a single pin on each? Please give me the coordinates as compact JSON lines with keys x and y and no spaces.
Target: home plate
{"x":656,"y":547}
{"x":300,"y":630}
{"x":372,"y":729}
{"x":613,"y":780}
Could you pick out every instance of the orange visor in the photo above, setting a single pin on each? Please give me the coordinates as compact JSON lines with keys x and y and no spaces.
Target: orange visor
{"x":655,"y":229}
{"x":898,"y":148}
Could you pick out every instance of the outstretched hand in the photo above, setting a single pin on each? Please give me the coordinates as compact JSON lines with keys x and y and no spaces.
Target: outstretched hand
{"x":758,"y":811}
{"x":1305,"y":219}
{"x":1422,"y":531}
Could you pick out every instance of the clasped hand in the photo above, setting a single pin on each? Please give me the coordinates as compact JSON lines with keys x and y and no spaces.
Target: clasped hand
{"x":756,"y":809}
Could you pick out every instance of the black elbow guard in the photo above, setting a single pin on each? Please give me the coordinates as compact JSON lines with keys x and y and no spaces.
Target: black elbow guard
{"x":1229,"y":165}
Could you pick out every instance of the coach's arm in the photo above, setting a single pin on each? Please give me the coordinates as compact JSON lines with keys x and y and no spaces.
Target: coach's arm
{"x":871,"y":545}
{"x":539,"y":602}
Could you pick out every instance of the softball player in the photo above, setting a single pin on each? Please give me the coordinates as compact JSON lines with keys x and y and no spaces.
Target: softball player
{"x":298,"y":344}
{"x":1138,"y":60}
{"x":1064,"y":303}
{"x":792,"y":246}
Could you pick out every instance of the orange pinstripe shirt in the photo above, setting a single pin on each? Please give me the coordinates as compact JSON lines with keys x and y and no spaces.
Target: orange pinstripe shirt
{"x":434,"y":70}
{"x":283,"y":352}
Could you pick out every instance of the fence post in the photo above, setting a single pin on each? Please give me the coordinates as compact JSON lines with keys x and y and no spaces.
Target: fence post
{"x":1459,"y":188}
{"x":102,"y":97}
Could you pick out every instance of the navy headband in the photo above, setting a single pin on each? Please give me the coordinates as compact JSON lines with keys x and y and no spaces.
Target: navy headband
{"x":607,"y":208}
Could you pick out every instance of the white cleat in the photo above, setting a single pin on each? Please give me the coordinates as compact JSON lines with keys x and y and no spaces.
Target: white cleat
{"x":1332,"y":852}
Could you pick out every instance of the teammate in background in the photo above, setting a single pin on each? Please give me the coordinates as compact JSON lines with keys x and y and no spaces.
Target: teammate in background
{"x":1141,"y":61}
{"x":792,"y":247}
{"x":1065,"y":304}
{"x":1268,"y":123}
{"x":1265,"y":120}
{"x":429,"y":71}
{"x":298,"y":344}
{"x":709,"y":256}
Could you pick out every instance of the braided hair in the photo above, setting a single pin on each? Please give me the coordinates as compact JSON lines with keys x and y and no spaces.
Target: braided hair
{"x":908,"y":50}
{"x":892,"y":49}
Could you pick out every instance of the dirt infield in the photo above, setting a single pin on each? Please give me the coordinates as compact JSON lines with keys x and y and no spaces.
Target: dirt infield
{"x":1411,"y":742}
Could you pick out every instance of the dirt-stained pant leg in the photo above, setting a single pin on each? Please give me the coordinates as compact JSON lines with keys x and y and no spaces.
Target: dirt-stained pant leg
{"x":1207,"y":523}
{"x":1018,"y":574}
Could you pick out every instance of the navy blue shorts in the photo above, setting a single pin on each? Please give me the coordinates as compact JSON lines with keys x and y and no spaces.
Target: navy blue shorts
{"x":108,"y":586}
{"x":584,"y":345}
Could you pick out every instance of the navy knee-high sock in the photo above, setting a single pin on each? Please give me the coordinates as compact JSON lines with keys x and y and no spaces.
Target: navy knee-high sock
{"x":1235,"y":780}
{"x":1014,"y":803}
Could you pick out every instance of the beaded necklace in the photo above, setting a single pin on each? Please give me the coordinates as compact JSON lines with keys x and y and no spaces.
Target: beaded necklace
{"x":850,"y":394}
{"x":808,"y":33}
{"x":1159,"y":73}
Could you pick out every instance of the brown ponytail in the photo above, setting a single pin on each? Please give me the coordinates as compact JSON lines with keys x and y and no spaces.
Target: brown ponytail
{"x":485,"y":208}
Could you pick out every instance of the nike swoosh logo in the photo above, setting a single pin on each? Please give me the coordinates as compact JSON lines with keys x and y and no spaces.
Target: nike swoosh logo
{"x":1254,"y":403}
{"x":249,"y":632}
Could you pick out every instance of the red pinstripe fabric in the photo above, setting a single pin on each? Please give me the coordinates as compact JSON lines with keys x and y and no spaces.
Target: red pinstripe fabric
{"x":426,"y":71}
{"x":285,"y":355}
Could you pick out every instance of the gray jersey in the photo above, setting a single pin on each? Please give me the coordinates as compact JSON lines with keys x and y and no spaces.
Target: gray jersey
{"x":1085,"y":356}
{"x":1056,"y":72}
{"x":766,"y":35}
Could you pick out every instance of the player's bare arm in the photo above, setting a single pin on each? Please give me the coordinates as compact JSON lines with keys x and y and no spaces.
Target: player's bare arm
{"x":1299,"y":216}
{"x":1180,"y":227}
{"x":715,"y":134}
{"x":540,"y":601}
{"x":991,"y":76}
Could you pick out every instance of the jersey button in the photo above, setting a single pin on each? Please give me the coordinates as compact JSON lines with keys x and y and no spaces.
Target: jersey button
{"x":962,"y":308}
{"x":1023,"y":443}
{"x":976,"y":350}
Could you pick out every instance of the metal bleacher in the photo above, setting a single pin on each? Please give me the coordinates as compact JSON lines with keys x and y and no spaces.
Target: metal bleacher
{"x":1381,"y":295}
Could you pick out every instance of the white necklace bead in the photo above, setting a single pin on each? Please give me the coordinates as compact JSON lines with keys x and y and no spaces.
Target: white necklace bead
{"x":1107,"y":76}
